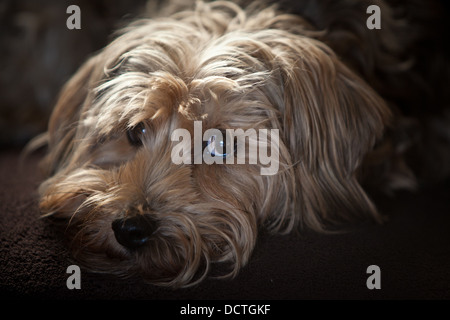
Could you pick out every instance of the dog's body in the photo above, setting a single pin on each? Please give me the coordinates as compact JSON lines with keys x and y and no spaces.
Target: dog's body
{"x":334,"y":91}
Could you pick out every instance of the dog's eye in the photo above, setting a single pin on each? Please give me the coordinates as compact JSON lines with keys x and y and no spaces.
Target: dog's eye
{"x":136,"y":134}
{"x":217,"y":146}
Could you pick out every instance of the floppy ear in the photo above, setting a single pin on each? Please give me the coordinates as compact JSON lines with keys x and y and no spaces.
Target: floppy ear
{"x":64,"y":118}
{"x":332,"y":118}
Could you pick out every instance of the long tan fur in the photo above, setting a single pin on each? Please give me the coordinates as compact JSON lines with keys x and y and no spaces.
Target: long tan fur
{"x":229,"y":68}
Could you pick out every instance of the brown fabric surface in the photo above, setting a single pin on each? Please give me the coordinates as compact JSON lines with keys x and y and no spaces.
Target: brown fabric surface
{"x":412,"y":251}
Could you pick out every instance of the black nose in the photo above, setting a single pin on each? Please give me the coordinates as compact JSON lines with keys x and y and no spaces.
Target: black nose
{"x":134,"y":232}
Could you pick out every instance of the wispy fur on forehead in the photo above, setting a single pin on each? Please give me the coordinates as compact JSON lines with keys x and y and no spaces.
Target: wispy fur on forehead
{"x":228,"y":52}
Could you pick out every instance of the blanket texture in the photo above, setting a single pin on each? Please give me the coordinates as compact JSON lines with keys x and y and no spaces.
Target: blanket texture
{"x":412,"y":251}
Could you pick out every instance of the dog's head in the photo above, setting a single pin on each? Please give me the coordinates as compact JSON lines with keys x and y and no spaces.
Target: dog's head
{"x":130,"y":209}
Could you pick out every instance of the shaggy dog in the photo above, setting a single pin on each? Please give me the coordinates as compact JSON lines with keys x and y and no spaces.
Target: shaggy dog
{"x":349,"y":105}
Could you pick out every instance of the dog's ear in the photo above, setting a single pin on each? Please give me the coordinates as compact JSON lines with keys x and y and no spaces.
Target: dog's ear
{"x":332,"y":119}
{"x":65,"y":116}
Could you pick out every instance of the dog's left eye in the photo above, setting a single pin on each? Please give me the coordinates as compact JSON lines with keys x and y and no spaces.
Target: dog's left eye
{"x":136,"y":134}
{"x":217,"y":146}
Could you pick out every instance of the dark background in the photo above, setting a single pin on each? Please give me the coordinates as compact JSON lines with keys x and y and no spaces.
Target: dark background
{"x":38,"y":54}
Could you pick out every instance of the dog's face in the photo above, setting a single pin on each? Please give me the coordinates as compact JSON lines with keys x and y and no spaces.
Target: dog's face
{"x":130,"y":210}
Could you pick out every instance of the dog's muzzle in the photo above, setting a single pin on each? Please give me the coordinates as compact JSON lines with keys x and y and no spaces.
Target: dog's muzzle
{"x":134,"y":232}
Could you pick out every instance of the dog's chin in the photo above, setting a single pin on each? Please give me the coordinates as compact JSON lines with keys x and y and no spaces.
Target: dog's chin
{"x":174,"y":256}
{"x":187,"y":239}
{"x":178,"y":254}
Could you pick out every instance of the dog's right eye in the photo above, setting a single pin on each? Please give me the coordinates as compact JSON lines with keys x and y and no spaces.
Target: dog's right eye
{"x":136,"y":134}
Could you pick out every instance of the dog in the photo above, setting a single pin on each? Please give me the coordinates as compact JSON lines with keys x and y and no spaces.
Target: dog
{"x":349,"y":105}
